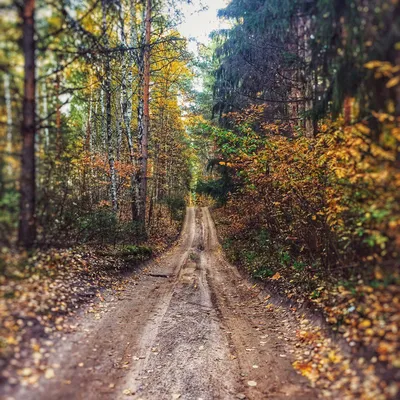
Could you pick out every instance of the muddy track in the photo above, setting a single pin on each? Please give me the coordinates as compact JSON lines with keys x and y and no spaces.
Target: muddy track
{"x":189,"y":329}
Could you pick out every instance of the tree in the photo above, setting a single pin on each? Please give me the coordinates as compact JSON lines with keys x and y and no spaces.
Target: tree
{"x":94,"y":94}
{"x":303,"y":59}
{"x":27,"y":219}
{"x":108,"y":128}
{"x":143,"y":116}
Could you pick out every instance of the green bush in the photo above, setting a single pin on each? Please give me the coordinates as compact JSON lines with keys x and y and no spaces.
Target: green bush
{"x":8,"y":215}
{"x":176,"y":206}
{"x":101,"y":226}
{"x":136,"y":252}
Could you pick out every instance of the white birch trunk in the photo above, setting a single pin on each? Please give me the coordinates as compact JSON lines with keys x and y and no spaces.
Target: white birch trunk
{"x":119,"y":129}
{"x":127,"y":78}
{"x":144,"y":113}
{"x":7,"y":96}
{"x":103,"y":121}
{"x":127,"y":93}
{"x":89,"y":133}
{"x":9,"y":134}
{"x":45,"y":114}
{"x":108,"y":122}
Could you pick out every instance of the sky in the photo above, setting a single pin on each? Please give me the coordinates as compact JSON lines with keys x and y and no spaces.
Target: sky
{"x":199,"y":24}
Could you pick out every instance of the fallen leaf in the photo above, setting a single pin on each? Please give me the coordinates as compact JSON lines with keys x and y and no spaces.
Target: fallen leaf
{"x":26,"y":372}
{"x":49,"y":374}
{"x":276,"y":277}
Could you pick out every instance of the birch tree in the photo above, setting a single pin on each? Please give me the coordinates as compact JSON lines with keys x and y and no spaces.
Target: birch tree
{"x":144,"y":116}
{"x":108,"y":126}
{"x":127,"y":91}
{"x":9,"y":134}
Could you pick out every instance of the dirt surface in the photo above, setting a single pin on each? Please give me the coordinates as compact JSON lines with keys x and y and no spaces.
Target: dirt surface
{"x":189,"y":328}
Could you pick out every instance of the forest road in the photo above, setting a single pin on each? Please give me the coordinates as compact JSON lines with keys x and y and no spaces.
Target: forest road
{"x":190,"y":328}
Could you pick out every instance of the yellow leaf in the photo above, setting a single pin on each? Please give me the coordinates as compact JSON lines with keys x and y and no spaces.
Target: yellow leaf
{"x":385,"y":348}
{"x":25,"y":372}
{"x":366,"y":323}
{"x":49,"y":374}
{"x":12,"y":340}
{"x":378,"y":274}
{"x":306,"y":369}
{"x":391,"y":107}
{"x":393,"y":82}
{"x":334,"y":357}
{"x":396,"y":362}
{"x":276,"y":277}
{"x":363,"y":129}
{"x":373,"y":64}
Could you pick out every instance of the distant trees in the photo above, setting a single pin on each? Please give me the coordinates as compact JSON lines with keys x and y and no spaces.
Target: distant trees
{"x":264,"y":59}
{"x":303,"y":58}
{"x":307,"y":140}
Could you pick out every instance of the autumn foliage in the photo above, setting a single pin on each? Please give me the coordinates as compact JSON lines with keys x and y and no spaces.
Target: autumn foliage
{"x":321,"y":204}
{"x":318,"y":219}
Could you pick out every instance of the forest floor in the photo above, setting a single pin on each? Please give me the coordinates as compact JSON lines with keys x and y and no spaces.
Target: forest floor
{"x":352,"y":335}
{"x":188,"y":326}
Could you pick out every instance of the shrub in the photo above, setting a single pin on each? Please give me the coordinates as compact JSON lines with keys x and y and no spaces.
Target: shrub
{"x":8,"y":214}
{"x":331,"y":201}
{"x":176,"y":206}
{"x":100,"y":225}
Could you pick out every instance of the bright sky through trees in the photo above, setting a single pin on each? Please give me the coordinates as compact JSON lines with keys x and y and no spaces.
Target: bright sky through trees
{"x":199,"y":23}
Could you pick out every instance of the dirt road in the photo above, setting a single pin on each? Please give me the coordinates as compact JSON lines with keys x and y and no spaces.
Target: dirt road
{"x":189,"y":328}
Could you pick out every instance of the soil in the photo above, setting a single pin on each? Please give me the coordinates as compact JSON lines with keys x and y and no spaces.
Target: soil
{"x":190,"y":328}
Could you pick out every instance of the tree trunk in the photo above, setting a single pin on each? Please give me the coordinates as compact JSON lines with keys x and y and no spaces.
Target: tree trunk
{"x":118,"y":124}
{"x":126,"y":95}
{"x":89,"y":135}
{"x":38,"y":132}
{"x":309,"y":80}
{"x":107,"y":90}
{"x":27,"y":219}
{"x":7,"y":98}
{"x":44,"y":118}
{"x":58,"y":117}
{"x":144,"y":119}
{"x":103,"y":121}
{"x":347,"y":110}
